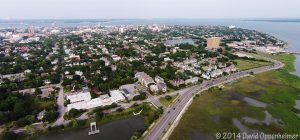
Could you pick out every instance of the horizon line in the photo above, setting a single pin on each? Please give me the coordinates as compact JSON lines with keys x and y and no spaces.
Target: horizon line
{"x":265,"y":18}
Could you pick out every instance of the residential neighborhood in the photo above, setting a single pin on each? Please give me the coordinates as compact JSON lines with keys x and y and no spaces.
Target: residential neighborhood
{"x":71,"y":73}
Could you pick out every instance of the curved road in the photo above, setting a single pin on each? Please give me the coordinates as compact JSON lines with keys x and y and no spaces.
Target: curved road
{"x":170,"y":114}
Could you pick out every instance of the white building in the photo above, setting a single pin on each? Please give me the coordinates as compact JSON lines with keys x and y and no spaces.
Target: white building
{"x":103,"y":100}
{"x":205,"y":76}
{"x":158,"y":79}
{"x":79,"y":96}
{"x":116,"y":96}
{"x":80,"y":73}
{"x":216,"y":73}
{"x":193,"y":80}
{"x":154,"y":88}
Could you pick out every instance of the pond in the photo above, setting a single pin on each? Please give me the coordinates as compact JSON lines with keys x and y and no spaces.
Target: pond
{"x":116,"y":130}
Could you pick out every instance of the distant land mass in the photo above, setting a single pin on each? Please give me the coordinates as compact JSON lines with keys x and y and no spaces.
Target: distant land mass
{"x":275,"y":20}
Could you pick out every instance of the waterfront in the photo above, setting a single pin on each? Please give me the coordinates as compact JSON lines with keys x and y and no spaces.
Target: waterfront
{"x":116,"y":130}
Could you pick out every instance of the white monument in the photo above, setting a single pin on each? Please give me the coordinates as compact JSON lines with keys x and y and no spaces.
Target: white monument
{"x":94,"y":129}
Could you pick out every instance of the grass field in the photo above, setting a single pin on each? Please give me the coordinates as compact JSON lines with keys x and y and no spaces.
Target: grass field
{"x":214,"y":111}
{"x":166,"y":102}
{"x":250,"y":64}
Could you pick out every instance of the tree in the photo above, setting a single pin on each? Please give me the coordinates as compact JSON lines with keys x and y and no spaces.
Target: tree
{"x":73,"y":113}
{"x":8,"y":135}
{"x":142,"y":96}
{"x":99,"y":115}
{"x":50,"y":116}
{"x":20,"y":109}
{"x":38,"y":91}
{"x":168,"y":97}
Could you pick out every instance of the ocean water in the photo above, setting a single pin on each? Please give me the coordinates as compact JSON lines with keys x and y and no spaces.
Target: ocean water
{"x":287,"y":31}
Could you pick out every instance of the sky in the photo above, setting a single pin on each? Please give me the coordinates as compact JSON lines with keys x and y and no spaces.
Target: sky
{"x":146,"y":9}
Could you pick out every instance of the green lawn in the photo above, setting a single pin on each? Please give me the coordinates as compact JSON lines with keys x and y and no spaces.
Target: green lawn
{"x":250,"y":64}
{"x":213,"y":111}
{"x":166,"y":102}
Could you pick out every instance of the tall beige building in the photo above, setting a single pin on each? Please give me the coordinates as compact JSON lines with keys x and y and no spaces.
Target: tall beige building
{"x":213,"y":42}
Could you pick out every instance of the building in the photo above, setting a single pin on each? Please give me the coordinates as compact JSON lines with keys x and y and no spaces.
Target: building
{"x":103,"y":100}
{"x":128,"y":90}
{"x":13,"y":77}
{"x":179,"y":41}
{"x":154,"y":88}
{"x":162,"y":87}
{"x":144,"y":78}
{"x":205,"y":76}
{"x":79,"y":96}
{"x":176,"y":82}
{"x":216,"y":73}
{"x":213,"y":43}
{"x":116,"y":96}
{"x":158,"y":79}
{"x":116,"y":57}
{"x":41,"y":115}
{"x":193,"y":80}
{"x":80,"y":73}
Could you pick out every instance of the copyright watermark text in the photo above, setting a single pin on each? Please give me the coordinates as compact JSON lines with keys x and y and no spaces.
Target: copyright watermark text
{"x":255,"y":136}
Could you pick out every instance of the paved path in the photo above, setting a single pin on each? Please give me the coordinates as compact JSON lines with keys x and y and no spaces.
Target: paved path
{"x":61,"y":107}
{"x":158,"y":131}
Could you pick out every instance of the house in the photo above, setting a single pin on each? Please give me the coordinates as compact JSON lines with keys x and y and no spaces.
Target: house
{"x":144,"y":78}
{"x":116,"y":57}
{"x":80,"y":73}
{"x":158,"y":79}
{"x":176,"y":82}
{"x":12,"y":77}
{"x":41,"y":115}
{"x":69,"y":76}
{"x":193,"y":80}
{"x":167,"y":59}
{"x":27,"y":71}
{"x":205,"y":76}
{"x":54,"y":62}
{"x":229,"y":69}
{"x":162,"y":87}
{"x":216,"y":73}
{"x":67,"y":72}
{"x":113,"y":67}
{"x":154,"y":88}
{"x":47,"y":82}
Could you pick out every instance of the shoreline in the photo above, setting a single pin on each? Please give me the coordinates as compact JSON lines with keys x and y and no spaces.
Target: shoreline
{"x":280,"y":74}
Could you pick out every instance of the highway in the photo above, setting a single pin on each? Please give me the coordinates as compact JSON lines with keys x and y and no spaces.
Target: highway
{"x":170,"y":114}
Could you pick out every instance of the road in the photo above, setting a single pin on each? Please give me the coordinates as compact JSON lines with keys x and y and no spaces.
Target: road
{"x":170,"y":114}
{"x":152,"y":99}
{"x":61,"y":107}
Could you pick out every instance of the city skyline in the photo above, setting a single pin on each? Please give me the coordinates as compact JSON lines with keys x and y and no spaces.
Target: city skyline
{"x":141,"y":9}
